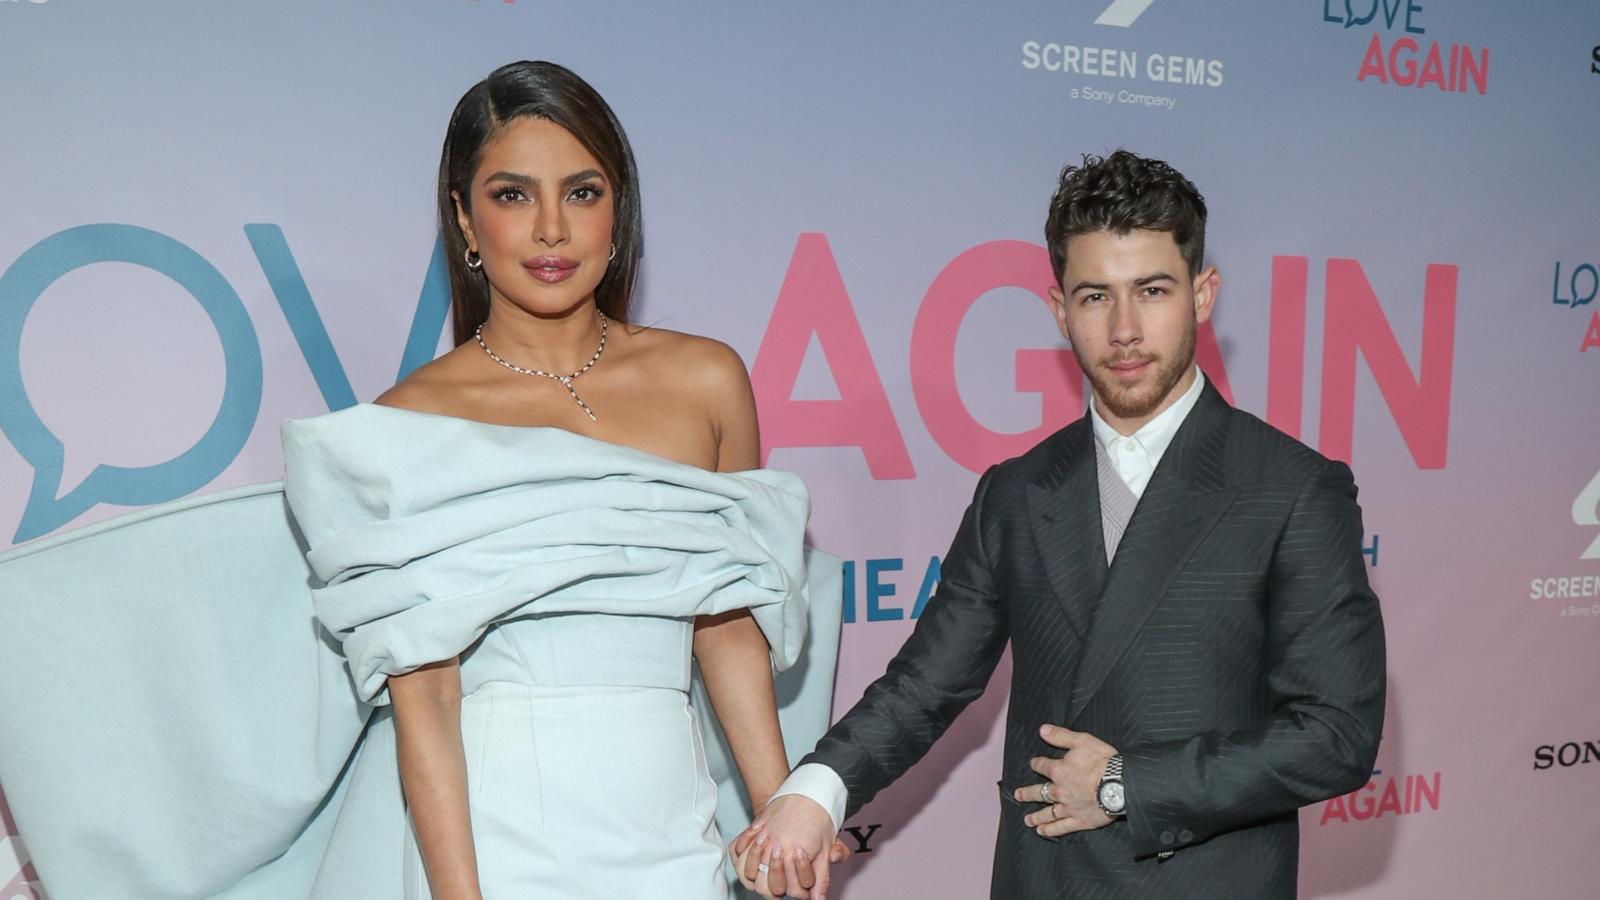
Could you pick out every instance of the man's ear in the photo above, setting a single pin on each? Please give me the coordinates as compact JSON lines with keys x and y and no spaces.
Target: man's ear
{"x":1205,"y":293}
{"x":1058,"y":306}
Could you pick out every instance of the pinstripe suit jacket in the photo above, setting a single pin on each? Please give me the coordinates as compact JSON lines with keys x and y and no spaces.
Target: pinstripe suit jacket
{"x":1233,"y":652}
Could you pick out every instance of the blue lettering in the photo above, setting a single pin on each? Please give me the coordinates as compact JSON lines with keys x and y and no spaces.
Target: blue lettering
{"x":1371,"y":551}
{"x":28,"y":278}
{"x":278,"y":264}
{"x":1579,"y":296}
{"x":1391,"y":10}
{"x":930,"y":580}
{"x":849,"y":591}
{"x":1351,"y":20}
{"x":1413,"y":7}
{"x":877,"y":590}
{"x":433,"y":304}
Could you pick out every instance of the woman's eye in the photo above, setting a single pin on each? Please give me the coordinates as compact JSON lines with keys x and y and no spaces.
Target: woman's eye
{"x":508,"y":193}
{"x":586,"y":193}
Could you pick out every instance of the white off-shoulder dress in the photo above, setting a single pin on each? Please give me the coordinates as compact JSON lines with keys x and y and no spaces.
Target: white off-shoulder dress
{"x":196,"y":694}
{"x":566,"y":574}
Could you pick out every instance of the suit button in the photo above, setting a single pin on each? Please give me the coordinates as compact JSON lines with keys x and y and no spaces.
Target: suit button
{"x":1185,"y":836}
{"x":1166,"y":837}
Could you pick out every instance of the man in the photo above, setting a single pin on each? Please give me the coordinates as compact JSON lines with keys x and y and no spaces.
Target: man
{"x":1197,"y":653}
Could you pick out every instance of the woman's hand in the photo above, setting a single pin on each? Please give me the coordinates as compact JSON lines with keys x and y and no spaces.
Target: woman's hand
{"x":780,"y":854}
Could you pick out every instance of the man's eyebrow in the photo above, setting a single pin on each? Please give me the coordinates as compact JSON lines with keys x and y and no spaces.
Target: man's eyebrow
{"x":1137,"y":282}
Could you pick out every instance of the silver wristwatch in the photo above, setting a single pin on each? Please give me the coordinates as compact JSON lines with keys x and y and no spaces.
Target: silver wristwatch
{"x":1112,"y":796}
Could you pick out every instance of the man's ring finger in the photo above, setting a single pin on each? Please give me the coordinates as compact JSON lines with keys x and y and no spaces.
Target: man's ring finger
{"x":763,"y":868}
{"x":1044,"y":793}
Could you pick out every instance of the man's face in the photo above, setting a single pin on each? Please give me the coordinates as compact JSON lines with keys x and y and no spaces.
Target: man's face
{"x":1130,"y":309}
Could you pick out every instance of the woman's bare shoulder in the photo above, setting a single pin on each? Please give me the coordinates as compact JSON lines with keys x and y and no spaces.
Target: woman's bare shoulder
{"x":711,"y":363}
{"x":434,"y":387}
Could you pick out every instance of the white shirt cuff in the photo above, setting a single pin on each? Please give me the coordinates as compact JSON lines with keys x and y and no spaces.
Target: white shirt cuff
{"x":821,"y":784}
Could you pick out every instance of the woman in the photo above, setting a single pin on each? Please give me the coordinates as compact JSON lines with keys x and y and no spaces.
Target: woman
{"x":570,"y":769}
{"x":501,"y":617}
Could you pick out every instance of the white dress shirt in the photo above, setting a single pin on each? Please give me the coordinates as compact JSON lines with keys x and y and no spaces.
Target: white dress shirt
{"x":1134,"y":457}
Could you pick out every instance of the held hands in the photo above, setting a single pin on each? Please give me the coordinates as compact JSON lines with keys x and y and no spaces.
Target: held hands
{"x":1073,"y":782}
{"x":781,"y":853}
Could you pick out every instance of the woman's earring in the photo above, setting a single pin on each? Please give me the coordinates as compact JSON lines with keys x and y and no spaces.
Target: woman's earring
{"x":474,"y":261}
{"x":613,"y":253}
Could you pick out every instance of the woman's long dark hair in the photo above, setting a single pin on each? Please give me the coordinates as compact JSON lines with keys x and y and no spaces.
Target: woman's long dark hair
{"x":540,"y":90}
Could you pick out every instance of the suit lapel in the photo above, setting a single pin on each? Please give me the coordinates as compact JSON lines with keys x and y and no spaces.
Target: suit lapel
{"x":1064,"y":511}
{"x":1181,"y":504}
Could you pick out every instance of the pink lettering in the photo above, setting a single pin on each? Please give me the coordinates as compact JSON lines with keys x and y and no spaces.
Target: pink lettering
{"x":1052,"y":374}
{"x":1433,"y":68}
{"x":1390,"y":804}
{"x":1361,"y":808}
{"x":813,"y":300}
{"x":1403,"y":71}
{"x":1286,"y":343}
{"x":1372,"y":61}
{"x":1426,"y":793}
{"x":1334,"y":809}
{"x":1354,"y":321}
{"x":1476,"y":69}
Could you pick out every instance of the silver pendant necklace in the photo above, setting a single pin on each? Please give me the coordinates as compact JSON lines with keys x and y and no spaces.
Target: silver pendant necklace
{"x":566,"y":380}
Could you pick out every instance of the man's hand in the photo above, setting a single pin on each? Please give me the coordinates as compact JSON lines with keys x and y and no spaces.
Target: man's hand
{"x":1074,"y":784}
{"x":788,"y":839}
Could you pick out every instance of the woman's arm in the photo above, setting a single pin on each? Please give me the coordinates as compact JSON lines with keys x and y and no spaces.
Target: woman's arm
{"x":737,"y":671}
{"x":433,"y":771}
{"x":732,"y":652}
{"x":433,"y":763}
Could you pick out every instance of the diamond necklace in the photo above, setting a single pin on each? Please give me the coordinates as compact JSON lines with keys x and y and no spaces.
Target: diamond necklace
{"x":566,"y":380}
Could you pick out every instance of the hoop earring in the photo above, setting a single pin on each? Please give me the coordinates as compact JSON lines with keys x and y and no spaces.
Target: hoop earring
{"x":613,"y":253}
{"x":474,"y":261}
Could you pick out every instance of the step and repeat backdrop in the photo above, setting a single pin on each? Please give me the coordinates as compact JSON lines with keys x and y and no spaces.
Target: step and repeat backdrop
{"x":218,"y":216}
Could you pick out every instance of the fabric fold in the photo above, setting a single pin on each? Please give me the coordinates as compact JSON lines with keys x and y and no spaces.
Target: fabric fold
{"x":523,"y":524}
{"x":181,"y":717}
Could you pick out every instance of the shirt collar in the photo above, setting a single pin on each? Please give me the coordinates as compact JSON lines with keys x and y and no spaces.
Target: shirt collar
{"x":1155,"y":435}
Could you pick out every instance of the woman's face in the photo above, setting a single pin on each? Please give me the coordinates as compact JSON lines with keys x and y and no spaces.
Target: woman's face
{"x":541,"y":217}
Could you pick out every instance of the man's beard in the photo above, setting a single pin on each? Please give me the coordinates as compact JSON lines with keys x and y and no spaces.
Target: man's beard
{"x":1139,"y":400}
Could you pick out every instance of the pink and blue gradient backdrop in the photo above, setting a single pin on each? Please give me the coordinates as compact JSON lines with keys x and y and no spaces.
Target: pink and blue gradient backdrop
{"x":852,"y":195}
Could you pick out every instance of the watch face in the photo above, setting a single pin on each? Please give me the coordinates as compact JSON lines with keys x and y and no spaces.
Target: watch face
{"x":1112,"y":796}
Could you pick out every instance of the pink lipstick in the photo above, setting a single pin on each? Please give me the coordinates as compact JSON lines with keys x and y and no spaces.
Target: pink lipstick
{"x":551,"y":269}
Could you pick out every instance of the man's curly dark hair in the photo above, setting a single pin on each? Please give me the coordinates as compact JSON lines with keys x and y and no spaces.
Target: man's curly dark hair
{"x":1121,"y":193}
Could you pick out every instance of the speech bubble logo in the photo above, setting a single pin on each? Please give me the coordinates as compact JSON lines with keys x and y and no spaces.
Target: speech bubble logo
{"x":1351,"y":20}
{"x":1579,"y":296}
{"x":22,"y":285}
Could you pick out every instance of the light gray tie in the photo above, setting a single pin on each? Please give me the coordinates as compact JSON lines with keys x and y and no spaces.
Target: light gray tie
{"x":1117,"y":501}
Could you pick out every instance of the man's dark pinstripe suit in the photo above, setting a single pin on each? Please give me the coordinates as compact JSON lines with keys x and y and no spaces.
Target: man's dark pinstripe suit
{"x":1233,"y":652}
